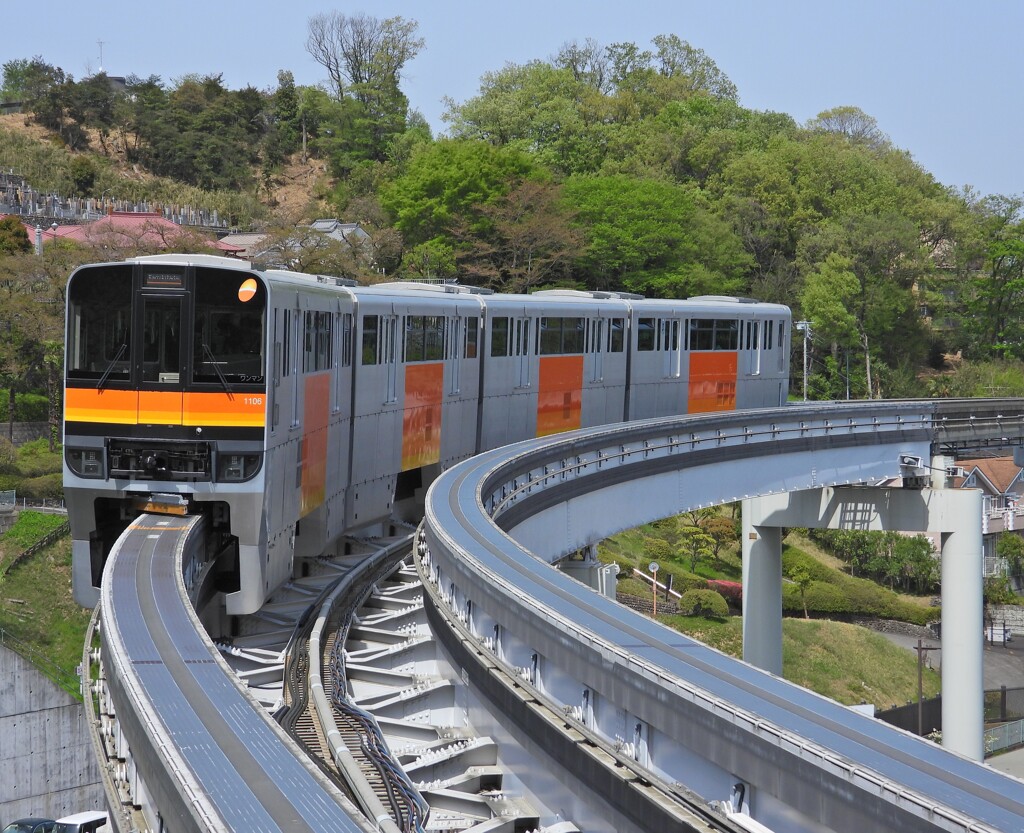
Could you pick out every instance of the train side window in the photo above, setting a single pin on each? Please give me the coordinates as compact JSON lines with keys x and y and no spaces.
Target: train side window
{"x":371,"y":334}
{"x":412,"y":349}
{"x":307,"y":342}
{"x":726,"y":335}
{"x":645,"y":335}
{"x":616,"y":335}
{"x":499,"y":336}
{"x":550,"y":336}
{"x":346,"y":339}
{"x":768,"y":334}
{"x":572,"y":335}
{"x":702,"y":334}
{"x":472,"y":330}
{"x":523,"y":337}
{"x":286,"y":344}
{"x":433,"y":337}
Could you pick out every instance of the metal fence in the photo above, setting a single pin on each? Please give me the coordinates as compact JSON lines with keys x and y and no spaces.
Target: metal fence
{"x":66,"y":678}
{"x":1004,"y":718}
{"x":8,"y":500}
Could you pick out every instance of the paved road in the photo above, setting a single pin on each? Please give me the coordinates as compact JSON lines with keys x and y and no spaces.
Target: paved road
{"x":1003,"y":666}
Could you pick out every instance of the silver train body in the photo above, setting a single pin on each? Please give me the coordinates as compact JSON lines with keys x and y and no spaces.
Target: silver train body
{"x":293,"y":408}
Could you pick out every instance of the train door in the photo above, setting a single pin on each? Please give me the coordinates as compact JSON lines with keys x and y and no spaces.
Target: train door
{"x":161,"y":360}
{"x":669,"y":341}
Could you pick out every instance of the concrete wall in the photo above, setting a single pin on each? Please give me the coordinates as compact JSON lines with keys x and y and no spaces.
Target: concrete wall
{"x":1011,"y":615}
{"x":47,"y":765}
{"x":25,"y":431}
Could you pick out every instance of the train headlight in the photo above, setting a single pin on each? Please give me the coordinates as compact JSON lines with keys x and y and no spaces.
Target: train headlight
{"x":237,"y":468}
{"x":85,"y":462}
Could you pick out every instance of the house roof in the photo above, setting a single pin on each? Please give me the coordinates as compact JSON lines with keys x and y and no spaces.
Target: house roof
{"x":999,"y":472}
{"x":126,"y":229}
{"x":247,"y":244}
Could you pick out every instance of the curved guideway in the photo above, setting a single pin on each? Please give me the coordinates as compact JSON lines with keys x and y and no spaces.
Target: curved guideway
{"x":687,"y":671}
{"x":234,"y":769}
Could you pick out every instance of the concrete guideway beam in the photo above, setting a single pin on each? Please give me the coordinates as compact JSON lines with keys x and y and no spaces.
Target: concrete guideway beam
{"x":954,"y":514}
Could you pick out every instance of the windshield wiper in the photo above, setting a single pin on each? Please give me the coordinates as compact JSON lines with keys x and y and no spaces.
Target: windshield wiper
{"x":216,"y":366}
{"x":110,"y":367}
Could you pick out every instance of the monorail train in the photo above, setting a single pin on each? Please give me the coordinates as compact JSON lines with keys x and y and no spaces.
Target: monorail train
{"x":294,"y":408}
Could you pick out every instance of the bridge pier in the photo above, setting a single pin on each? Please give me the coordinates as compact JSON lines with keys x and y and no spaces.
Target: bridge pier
{"x":952,"y":513}
{"x":584,"y":566}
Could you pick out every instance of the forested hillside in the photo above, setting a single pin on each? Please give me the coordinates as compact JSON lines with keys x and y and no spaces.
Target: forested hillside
{"x":607,"y":166}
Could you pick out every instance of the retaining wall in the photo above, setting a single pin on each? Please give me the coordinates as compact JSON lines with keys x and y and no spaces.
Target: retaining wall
{"x":47,"y":764}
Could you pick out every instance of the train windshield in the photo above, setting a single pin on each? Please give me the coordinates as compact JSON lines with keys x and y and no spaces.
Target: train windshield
{"x":99,"y":326}
{"x":228,"y":336}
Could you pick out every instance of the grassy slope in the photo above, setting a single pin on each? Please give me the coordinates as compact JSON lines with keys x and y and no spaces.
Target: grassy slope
{"x":36,"y":607}
{"x":848,"y":663}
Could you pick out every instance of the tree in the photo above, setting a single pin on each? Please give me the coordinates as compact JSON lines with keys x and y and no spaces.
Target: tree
{"x":1010,"y":547}
{"x":649,"y":236}
{"x":801,"y":576}
{"x":364,"y":58}
{"x":677,"y":59}
{"x":853,"y":124}
{"x":695,"y":544}
{"x":448,"y":183}
{"x":723,"y":532}
{"x":13,"y":236}
{"x":529,"y":240}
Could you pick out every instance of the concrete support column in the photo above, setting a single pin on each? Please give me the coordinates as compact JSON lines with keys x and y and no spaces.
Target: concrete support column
{"x":963,"y":699}
{"x":762,"y":593}
{"x":584,"y":567}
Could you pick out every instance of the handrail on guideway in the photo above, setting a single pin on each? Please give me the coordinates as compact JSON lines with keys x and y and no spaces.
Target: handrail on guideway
{"x":537,"y":492}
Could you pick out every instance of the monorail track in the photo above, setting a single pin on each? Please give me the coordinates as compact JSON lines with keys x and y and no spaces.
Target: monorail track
{"x":181,"y":711}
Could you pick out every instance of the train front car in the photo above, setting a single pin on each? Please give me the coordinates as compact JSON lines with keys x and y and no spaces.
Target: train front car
{"x":165,"y":404}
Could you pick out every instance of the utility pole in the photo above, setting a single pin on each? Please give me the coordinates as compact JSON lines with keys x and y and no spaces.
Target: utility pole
{"x":805,"y":328}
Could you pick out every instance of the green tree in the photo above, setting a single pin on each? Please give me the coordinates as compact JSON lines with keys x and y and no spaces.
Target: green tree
{"x":649,"y":236}
{"x":723,"y":532}
{"x":853,"y":124}
{"x":801,"y":576}
{"x":696,"y":545}
{"x":13,"y":236}
{"x":448,"y":183}
{"x":364,"y":58}
{"x":1010,"y":547}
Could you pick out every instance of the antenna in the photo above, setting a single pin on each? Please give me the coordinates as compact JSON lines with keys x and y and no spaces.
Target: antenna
{"x":100,"y":44}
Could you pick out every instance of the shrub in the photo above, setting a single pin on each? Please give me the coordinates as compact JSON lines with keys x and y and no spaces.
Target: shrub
{"x":28,"y":407}
{"x":35,"y":458}
{"x":45,"y":487}
{"x":8,"y":457}
{"x":706,"y":603}
{"x":731,"y":591}
{"x":826,"y":598}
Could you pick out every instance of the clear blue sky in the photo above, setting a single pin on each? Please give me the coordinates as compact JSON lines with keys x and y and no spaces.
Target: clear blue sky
{"x":942,"y":78}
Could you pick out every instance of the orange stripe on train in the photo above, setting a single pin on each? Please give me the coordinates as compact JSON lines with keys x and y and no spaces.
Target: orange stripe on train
{"x":131,"y":407}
